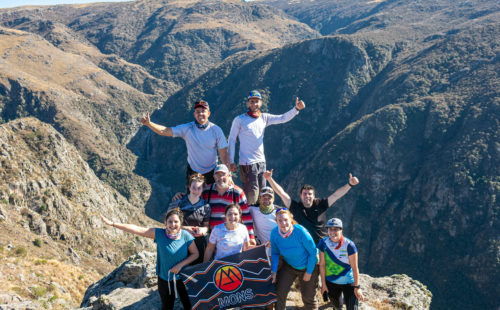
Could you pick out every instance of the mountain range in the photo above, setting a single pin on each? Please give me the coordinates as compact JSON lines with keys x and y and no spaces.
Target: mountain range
{"x":403,"y":94}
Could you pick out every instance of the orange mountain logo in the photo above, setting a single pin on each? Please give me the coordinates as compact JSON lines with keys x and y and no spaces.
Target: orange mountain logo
{"x":228,"y":278}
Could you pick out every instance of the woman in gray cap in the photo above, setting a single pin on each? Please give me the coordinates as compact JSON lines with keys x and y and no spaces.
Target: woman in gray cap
{"x":338,"y":266}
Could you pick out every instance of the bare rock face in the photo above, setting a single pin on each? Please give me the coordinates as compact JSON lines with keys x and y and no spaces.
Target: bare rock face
{"x":398,"y":291}
{"x":12,"y":301}
{"x":52,"y":188}
{"x":133,"y":284}
{"x":52,"y":239}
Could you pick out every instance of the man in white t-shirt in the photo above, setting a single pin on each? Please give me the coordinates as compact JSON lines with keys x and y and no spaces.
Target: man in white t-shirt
{"x":203,"y":138}
{"x":249,"y":129}
{"x":264,"y":215}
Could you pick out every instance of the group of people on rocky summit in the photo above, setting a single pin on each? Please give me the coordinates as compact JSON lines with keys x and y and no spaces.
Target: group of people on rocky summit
{"x":216,"y":218}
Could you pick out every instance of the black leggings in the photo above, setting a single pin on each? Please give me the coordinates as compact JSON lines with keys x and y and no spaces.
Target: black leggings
{"x":334,"y":291}
{"x":168,"y":300}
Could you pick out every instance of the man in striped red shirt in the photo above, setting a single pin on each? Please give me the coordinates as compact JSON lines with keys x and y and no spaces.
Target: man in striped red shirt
{"x":223,"y":193}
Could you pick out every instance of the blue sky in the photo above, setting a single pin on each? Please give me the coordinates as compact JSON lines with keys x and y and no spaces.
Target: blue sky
{"x":13,"y":3}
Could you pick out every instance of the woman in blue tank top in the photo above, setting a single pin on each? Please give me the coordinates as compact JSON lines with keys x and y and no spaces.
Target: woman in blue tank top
{"x":175,"y":249}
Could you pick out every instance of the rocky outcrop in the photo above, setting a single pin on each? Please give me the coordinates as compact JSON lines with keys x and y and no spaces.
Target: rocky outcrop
{"x":133,"y":286}
{"x":50,"y":202}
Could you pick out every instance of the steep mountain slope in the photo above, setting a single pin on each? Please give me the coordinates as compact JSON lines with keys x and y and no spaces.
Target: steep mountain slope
{"x":64,"y":65}
{"x":391,"y":19}
{"x":174,"y":40}
{"x":93,"y":109}
{"x":53,"y":243}
{"x":405,"y":96}
{"x":430,"y":162}
{"x":420,"y":129}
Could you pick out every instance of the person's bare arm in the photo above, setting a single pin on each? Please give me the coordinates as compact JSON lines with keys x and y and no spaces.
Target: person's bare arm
{"x":339,"y":193}
{"x":193,"y":255}
{"x":131,"y":228}
{"x":268,"y":175}
{"x":353,"y":261}
{"x":159,"y":129}
{"x":209,"y":252}
{"x":322,"y":271}
{"x":233,"y":134}
{"x":224,"y":156}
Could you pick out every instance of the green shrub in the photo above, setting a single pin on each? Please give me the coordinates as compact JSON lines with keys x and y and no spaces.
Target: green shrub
{"x":53,"y":298}
{"x":20,"y":251}
{"x":44,"y":207}
{"x":40,"y":262}
{"x":37,"y":242}
{"x":38,"y":291}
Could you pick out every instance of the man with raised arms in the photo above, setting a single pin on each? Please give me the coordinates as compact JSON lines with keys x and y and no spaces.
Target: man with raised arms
{"x":249,"y":128}
{"x":203,"y":138}
{"x":310,"y":211}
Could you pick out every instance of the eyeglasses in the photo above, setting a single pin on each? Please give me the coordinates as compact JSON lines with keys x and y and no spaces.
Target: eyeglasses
{"x":281,"y":210}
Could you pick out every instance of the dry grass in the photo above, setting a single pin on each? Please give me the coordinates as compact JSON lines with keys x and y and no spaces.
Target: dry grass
{"x":34,"y":278}
{"x":43,"y":274}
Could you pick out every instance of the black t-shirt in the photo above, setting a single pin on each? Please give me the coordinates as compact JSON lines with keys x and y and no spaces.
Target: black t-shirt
{"x":313,"y":218}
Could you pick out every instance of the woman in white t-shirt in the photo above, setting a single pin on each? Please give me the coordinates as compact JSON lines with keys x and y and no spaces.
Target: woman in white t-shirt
{"x":228,"y":238}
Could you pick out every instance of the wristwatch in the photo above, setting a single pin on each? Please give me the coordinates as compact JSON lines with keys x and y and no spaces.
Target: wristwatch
{"x":356,"y":286}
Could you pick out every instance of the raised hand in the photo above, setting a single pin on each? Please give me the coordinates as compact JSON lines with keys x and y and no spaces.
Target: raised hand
{"x":353,"y":181}
{"x":146,"y":120}
{"x":105,"y":220}
{"x":268,"y":174}
{"x":299,"y":104}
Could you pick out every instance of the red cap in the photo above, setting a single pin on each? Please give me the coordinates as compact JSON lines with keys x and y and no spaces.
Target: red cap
{"x":201,"y":104}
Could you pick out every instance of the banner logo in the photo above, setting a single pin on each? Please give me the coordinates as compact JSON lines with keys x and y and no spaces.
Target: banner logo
{"x":241,"y":280}
{"x":228,"y":278}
